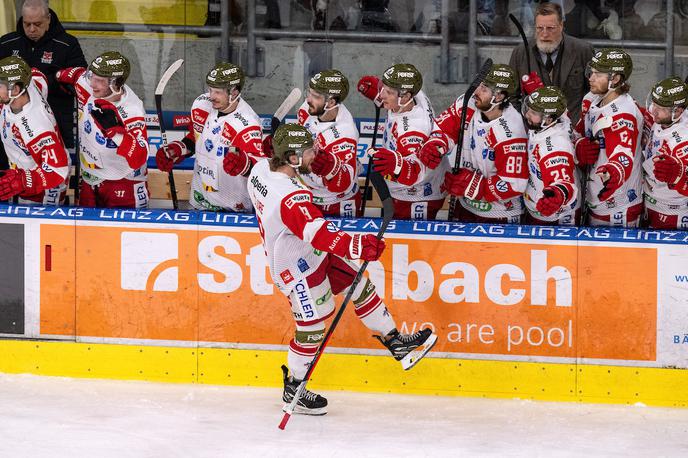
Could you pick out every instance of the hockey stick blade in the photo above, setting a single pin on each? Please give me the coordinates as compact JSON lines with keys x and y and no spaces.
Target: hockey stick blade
{"x":160,"y":88}
{"x":286,"y":106}
{"x":519,"y":27}
{"x":382,"y":189}
{"x":601,"y":124}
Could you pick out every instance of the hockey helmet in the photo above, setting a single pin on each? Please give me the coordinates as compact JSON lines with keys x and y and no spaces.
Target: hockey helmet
{"x":225,"y":75}
{"x":404,"y":78}
{"x":611,"y":60}
{"x":330,"y":83}
{"x":670,"y":92}
{"x":502,"y":78}
{"x":291,"y":139}
{"x":111,"y":64}
{"x":14,"y":70}
{"x":549,"y":102}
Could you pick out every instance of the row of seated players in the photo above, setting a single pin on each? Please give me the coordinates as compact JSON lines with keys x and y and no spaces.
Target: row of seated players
{"x":514,"y":167}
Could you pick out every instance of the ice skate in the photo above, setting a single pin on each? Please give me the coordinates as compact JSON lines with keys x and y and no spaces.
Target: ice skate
{"x":309,"y":403}
{"x":409,"y":348}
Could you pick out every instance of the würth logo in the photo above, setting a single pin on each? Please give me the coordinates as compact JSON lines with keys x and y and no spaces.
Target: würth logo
{"x":150,"y":261}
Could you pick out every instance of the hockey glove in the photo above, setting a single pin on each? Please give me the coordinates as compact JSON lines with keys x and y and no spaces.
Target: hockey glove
{"x":267,"y":146}
{"x":530,"y":83}
{"x":432,"y":152}
{"x":168,"y":156}
{"x":668,"y":169}
{"x":587,"y":151}
{"x":552,"y":200}
{"x":369,"y":86}
{"x":326,"y":165}
{"x":611,"y":179}
{"x":466,"y":183}
{"x":237,"y":163}
{"x":366,"y":247}
{"x":69,"y":75}
{"x":16,"y":181}
{"x":387,"y":162}
{"x":107,"y":118}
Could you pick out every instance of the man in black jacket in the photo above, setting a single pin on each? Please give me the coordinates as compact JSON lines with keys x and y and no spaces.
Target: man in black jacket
{"x":43,"y":43}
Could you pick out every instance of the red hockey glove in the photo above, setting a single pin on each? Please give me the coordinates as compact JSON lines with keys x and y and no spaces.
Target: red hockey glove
{"x":587,"y":151}
{"x":387,"y":162}
{"x":611,"y":178}
{"x":369,"y":86}
{"x":69,"y":75}
{"x":14,"y":182}
{"x":432,"y":152}
{"x":366,"y":247}
{"x":326,"y":165}
{"x":530,"y":83}
{"x":668,"y":169}
{"x":107,"y":118}
{"x":466,"y":182}
{"x":168,"y":156}
{"x":267,"y":146}
{"x":551,"y":202}
{"x":237,"y":163}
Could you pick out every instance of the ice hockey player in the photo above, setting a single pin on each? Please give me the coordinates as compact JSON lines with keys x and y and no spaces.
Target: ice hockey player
{"x":39,"y":163}
{"x":225,"y":136}
{"x":608,"y":142}
{"x":334,"y":181}
{"x":665,"y":158}
{"x":493,"y":171}
{"x":410,"y":123}
{"x":309,"y":259}
{"x":113,"y":141}
{"x":551,"y":197}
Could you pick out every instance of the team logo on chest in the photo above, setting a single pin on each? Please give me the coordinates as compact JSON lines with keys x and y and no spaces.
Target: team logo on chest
{"x":47,"y":57}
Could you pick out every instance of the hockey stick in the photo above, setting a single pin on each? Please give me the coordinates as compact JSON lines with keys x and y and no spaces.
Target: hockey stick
{"x":387,"y":210}
{"x":366,"y":186}
{"x":286,"y":106}
{"x":464,"y":108}
{"x":163,"y":134}
{"x":77,"y":166}
{"x":523,"y":37}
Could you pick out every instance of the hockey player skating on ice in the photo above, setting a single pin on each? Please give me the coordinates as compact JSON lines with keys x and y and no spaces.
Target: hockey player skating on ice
{"x":309,"y":262}
{"x":225,"y":136}
{"x":493,"y":170}
{"x":551,"y":197}
{"x":39,"y":164}
{"x":665,"y":158}
{"x":334,"y":181}
{"x":113,"y":141}
{"x":608,"y":142}
{"x":415,"y":187}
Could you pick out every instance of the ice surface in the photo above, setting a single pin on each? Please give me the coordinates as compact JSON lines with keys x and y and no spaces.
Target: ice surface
{"x":58,"y":417}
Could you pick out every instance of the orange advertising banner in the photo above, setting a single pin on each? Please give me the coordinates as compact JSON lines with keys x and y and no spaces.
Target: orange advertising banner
{"x":482,"y":296}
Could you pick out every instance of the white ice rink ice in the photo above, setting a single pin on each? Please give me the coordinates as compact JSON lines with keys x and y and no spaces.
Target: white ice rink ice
{"x":61,"y":417}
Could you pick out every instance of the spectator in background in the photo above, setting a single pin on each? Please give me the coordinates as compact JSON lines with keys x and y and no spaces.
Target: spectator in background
{"x":556,"y":59}
{"x":44,"y":44}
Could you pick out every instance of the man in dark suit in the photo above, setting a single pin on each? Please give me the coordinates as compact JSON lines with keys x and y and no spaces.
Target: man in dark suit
{"x":556,"y":59}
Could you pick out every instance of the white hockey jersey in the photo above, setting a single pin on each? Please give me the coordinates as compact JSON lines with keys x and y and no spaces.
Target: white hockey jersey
{"x":405,"y":133}
{"x":278,"y":200}
{"x":619,"y":146}
{"x":32,"y":142}
{"x":672,"y":141}
{"x":98,"y":154}
{"x":338,"y":137}
{"x":497,"y":149}
{"x":211,"y":187}
{"x":551,"y":162}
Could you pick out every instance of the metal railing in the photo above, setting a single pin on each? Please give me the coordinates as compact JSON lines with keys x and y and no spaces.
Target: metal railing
{"x":442,"y":38}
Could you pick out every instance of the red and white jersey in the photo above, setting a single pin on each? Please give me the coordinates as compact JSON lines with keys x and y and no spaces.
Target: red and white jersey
{"x":98,"y":154}
{"x":288,"y":221}
{"x":619,"y":147}
{"x":497,"y":149}
{"x":450,"y":120}
{"x":551,"y":162}
{"x":340,"y":138}
{"x":406,"y":133}
{"x":32,"y":142}
{"x":217,"y":134}
{"x":672,"y":141}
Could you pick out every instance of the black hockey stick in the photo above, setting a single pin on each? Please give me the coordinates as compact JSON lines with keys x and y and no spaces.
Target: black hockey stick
{"x":77,"y":156}
{"x":163,"y":134}
{"x":366,"y":186}
{"x":459,"y":142}
{"x":524,"y":38}
{"x":387,"y":211}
